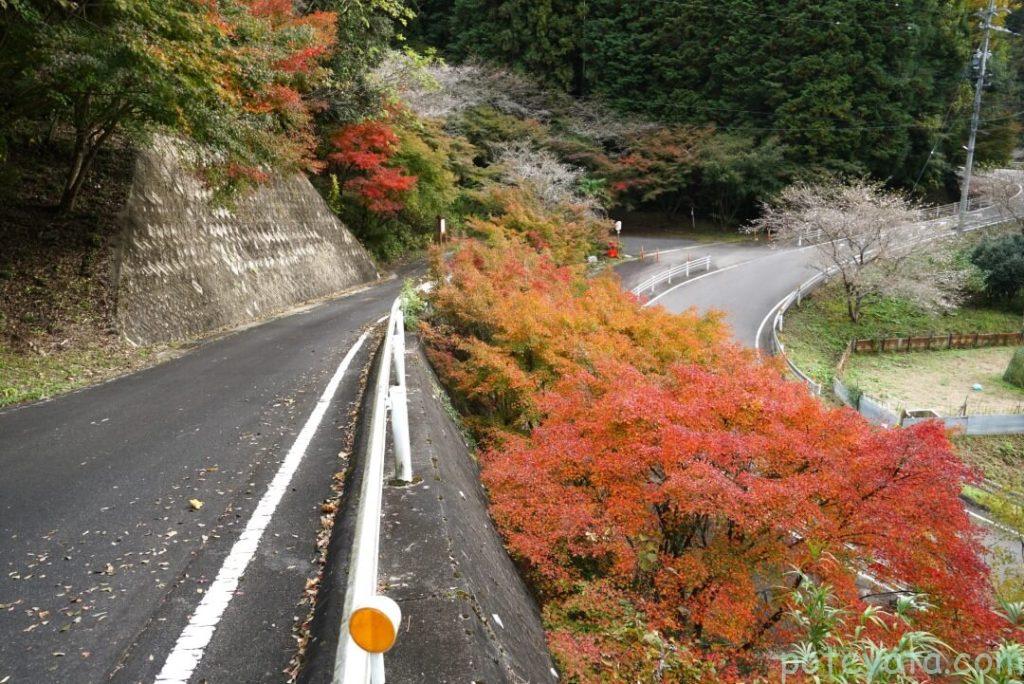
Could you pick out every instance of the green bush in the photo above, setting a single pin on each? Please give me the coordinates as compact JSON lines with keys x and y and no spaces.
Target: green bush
{"x":1001,"y":260}
{"x":1015,"y":373}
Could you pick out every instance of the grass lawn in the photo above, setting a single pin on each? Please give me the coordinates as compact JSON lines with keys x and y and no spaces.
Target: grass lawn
{"x":1000,"y":458}
{"x":30,"y":377}
{"x":939,"y":380}
{"x":816,"y":334}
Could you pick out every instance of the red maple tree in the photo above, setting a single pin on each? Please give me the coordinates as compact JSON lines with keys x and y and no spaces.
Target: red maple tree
{"x":361,"y":154}
{"x":696,"y":493}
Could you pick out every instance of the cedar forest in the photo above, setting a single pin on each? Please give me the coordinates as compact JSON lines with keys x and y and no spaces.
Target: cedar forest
{"x":667,"y":496}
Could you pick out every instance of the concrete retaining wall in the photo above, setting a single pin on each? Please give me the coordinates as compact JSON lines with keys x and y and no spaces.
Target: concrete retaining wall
{"x":876,"y":413}
{"x":186,"y":266}
{"x":842,"y":391}
{"x":981,"y":425}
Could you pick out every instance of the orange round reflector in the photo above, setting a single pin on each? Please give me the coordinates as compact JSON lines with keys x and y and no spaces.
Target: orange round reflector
{"x":372,"y":630}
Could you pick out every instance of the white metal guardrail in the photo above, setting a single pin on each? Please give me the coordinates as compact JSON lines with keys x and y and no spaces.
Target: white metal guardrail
{"x":951,"y":210}
{"x":668,"y":275}
{"x":370,"y":622}
{"x":923,"y":214}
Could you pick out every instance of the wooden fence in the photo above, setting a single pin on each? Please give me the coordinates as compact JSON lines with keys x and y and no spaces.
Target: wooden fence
{"x":935,"y":343}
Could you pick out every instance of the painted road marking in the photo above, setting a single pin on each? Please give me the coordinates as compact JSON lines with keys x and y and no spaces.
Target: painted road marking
{"x":188,"y":650}
{"x":993,"y":523}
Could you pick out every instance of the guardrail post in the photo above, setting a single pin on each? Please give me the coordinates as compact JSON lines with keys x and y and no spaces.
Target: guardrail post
{"x":398,"y":397}
{"x":398,"y":345}
{"x":377,"y":668}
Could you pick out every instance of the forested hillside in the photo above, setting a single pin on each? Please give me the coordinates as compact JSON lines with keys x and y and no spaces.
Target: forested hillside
{"x":854,"y":86}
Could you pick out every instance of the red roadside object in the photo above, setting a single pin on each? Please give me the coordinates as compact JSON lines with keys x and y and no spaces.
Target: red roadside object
{"x":613,"y":250}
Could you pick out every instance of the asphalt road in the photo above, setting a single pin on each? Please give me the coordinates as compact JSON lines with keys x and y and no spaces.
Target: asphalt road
{"x":722,"y":255}
{"x":747,"y":284}
{"x":103,"y":558}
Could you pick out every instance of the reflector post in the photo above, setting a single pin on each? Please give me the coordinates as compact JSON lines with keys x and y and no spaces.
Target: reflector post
{"x":374,"y":624}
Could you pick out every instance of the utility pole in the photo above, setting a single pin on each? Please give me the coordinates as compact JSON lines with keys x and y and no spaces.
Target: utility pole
{"x":989,"y":16}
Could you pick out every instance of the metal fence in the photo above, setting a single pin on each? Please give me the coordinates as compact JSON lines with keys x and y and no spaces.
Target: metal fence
{"x":937,"y":342}
{"x":667,"y":276}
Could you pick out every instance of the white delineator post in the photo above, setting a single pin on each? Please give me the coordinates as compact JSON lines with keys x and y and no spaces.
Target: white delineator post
{"x":398,"y":397}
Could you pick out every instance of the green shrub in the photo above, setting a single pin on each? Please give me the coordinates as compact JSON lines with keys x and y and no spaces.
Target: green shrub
{"x":413,"y":304}
{"x":1001,"y":260}
{"x":1015,"y":373}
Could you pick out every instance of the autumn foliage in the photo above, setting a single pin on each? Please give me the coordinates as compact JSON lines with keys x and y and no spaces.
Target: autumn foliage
{"x":659,"y":486}
{"x":361,"y":154}
{"x":235,"y":76}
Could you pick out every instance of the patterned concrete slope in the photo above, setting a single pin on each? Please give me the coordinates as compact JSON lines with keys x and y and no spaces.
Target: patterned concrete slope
{"x":186,"y":264}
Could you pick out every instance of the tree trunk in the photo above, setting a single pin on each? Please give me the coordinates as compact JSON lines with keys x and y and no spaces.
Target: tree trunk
{"x":853,"y":307}
{"x":86,"y":148}
{"x":73,"y":181}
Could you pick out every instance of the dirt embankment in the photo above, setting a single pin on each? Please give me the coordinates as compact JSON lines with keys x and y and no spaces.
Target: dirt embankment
{"x":57,"y":328}
{"x":55,"y":289}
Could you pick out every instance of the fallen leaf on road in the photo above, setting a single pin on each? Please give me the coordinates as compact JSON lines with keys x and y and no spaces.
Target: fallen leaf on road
{"x":196,"y":504}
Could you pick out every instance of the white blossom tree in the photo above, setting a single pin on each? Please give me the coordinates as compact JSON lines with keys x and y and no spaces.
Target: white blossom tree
{"x":868,"y":239}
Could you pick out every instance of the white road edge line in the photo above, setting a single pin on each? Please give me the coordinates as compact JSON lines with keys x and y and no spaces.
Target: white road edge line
{"x":764,"y":322}
{"x":993,"y":523}
{"x":188,"y":650}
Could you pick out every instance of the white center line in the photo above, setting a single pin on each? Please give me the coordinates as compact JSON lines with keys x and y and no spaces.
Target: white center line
{"x":188,"y":650}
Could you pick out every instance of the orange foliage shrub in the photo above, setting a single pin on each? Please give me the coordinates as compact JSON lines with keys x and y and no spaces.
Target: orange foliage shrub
{"x":692,"y":495}
{"x":509,"y":322}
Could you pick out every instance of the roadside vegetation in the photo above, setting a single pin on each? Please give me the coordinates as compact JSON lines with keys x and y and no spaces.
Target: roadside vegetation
{"x":854,"y":87}
{"x":625,"y":451}
{"x":1001,"y":460}
{"x":617,"y":446}
{"x":817,"y":332}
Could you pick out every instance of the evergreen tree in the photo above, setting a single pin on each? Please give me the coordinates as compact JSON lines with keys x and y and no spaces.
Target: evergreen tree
{"x":850,"y":86}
